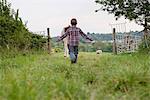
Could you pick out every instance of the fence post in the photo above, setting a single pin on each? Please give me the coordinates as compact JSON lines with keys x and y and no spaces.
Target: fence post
{"x":146,"y":33}
{"x":114,"y":41}
{"x":48,"y":40}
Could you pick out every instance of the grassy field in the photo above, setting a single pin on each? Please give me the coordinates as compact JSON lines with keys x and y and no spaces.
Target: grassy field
{"x":94,"y":77}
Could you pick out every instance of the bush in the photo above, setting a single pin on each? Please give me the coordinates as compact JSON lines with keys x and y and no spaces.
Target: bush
{"x":14,"y":33}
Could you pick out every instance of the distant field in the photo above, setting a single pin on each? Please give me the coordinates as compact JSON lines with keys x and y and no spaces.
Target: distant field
{"x":94,"y":77}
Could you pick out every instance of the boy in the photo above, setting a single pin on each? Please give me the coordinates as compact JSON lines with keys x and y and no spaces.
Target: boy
{"x":73,"y":34}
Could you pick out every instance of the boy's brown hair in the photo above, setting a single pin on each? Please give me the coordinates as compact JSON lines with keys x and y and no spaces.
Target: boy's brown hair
{"x":73,"y":21}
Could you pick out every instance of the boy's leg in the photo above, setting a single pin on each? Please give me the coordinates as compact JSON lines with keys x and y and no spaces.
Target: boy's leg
{"x":76,"y":53}
{"x":76,"y":58}
{"x":71,"y":53}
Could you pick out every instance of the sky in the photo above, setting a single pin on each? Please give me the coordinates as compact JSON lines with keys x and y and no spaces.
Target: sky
{"x":56,"y":14}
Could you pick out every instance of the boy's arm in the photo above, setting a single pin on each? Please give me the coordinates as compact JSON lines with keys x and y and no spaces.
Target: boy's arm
{"x":63,"y":36}
{"x":84,"y":35}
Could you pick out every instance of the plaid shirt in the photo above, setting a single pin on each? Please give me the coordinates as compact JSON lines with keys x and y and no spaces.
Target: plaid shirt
{"x":73,"y":34}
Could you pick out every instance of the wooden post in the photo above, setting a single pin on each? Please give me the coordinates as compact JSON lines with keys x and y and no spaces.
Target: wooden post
{"x":146,"y":33}
{"x":48,"y":40}
{"x":145,"y":29}
{"x":114,"y":41}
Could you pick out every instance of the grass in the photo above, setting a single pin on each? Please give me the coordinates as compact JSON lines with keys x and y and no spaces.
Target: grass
{"x":94,"y":77}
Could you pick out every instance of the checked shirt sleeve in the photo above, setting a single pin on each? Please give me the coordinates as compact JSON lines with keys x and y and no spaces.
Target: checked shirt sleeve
{"x":84,"y":35}
{"x":63,"y":36}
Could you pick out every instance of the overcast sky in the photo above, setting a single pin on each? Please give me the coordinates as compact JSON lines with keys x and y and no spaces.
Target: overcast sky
{"x":57,"y":14}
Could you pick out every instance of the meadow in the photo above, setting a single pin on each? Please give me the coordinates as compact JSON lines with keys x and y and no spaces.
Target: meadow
{"x":40,"y":76}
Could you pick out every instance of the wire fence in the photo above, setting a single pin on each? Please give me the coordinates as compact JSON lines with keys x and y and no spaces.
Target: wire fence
{"x":125,"y":41}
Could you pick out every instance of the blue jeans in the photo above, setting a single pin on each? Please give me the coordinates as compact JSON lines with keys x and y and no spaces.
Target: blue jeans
{"x":73,"y":52}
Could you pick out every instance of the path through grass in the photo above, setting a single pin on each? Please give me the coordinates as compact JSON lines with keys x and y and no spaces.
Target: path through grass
{"x":94,"y":77}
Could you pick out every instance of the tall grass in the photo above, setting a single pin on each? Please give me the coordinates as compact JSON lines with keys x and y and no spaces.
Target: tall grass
{"x":94,"y":77}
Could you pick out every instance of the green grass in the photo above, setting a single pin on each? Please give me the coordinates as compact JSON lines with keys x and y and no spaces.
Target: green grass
{"x":94,"y":77}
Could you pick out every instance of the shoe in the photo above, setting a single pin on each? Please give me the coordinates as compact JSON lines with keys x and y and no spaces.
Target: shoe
{"x":73,"y":62}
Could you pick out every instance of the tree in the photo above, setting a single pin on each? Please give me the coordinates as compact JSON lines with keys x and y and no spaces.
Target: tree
{"x":14,"y":33}
{"x":138,"y":10}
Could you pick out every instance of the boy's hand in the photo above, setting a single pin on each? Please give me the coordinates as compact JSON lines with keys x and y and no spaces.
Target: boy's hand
{"x":93,"y":42}
{"x":58,"y":40}
{"x":87,"y":41}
